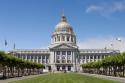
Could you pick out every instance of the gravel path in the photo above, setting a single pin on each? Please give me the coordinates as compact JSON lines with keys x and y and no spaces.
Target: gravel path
{"x":120,"y":79}
{"x":19,"y":78}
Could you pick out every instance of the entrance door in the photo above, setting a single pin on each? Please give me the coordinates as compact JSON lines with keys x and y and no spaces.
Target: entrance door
{"x":49,"y":68}
{"x":58,"y":68}
{"x":63,"y":67}
{"x":69,"y":68}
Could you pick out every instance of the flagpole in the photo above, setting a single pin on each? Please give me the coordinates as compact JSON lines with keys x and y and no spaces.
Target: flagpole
{"x":5,"y":44}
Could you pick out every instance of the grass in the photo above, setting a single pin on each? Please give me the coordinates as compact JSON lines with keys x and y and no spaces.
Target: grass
{"x":64,"y":78}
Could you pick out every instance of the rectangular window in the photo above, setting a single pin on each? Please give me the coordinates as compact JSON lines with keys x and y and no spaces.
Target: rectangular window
{"x":39,"y":57}
{"x":68,"y":52}
{"x":87,"y":57}
{"x":63,"y":52}
{"x":91,"y":57}
{"x":83,"y":57}
{"x":58,"y":52}
{"x":58,"y":57}
{"x":35,"y":57}
{"x":32,"y":57}
{"x":28,"y":57}
{"x":43,"y":57}
{"x":95,"y":57}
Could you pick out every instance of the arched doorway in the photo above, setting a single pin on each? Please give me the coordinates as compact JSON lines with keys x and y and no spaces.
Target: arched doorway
{"x":58,"y":68}
{"x":63,"y":67}
{"x":69,"y":68}
{"x":49,"y":68}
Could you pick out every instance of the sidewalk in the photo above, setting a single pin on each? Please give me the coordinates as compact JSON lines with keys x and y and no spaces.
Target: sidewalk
{"x":19,"y":78}
{"x":119,"y":79}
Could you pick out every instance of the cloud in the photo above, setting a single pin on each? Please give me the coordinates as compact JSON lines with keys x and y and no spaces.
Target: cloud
{"x":107,"y":9}
{"x":101,"y":43}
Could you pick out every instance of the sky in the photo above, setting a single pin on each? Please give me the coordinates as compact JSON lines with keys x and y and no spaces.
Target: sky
{"x":30,"y":23}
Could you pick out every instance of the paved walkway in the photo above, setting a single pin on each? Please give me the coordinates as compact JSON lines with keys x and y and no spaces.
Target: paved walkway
{"x":19,"y":78}
{"x":120,"y":79}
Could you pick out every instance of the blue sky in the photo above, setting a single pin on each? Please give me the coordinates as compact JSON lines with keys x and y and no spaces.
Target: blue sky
{"x":30,"y":23}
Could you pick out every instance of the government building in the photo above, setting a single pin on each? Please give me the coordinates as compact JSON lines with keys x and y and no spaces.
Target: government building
{"x":63,"y":52}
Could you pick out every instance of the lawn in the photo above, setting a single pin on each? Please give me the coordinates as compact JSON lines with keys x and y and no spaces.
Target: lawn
{"x":64,"y":78}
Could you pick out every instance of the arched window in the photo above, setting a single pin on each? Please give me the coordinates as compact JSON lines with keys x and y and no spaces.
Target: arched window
{"x":63,"y":38}
{"x":58,"y":38}
{"x":67,"y":38}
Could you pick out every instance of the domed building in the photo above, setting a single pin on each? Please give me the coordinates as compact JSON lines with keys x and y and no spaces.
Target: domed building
{"x":63,"y":52}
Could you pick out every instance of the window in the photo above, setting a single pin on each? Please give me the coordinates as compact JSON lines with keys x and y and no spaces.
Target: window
{"x":39,"y":57}
{"x":87,"y":57}
{"x":58,"y":61}
{"x":69,"y":57}
{"x":28,"y":57}
{"x":31,"y":57}
{"x":68,"y":61}
{"x":69,"y":53}
{"x":83,"y":57}
{"x":58,"y":38}
{"x":58,"y":57}
{"x":63,"y":57}
{"x":58,"y":52}
{"x":95,"y":57}
{"x":35,"y":57}
{"x":43,"y":57}
{"x":23,"y":56}
{"x":63,"y":52}
{"x":68,"y":38}
{"x":102,"y":56}
{"x":63,"y":38}
{"x":63,"y":61}
{"x":91,"y":57}
{"x":98,"y":57}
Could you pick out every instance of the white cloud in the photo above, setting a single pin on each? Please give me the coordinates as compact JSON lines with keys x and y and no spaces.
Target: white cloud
{"x":101,"y":43}
{"x":107,"y":9}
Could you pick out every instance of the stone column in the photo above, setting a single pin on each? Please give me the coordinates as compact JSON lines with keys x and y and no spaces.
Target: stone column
{"x":93,"y":58}
{"x":66,"y":57}
{"x":25,"y":57}
{"x":71,"y":58}
{"x":65,"y":38}
{"x":60,"y":56}
{"x":81,"y":59}
{"x":89,"y":58}
{"x":85,"y":59}
{"x":41,"y":59}
{"x":45,"y":59}
{"x":33,"y":58}
{"x":55,"y":56}
{"x":37,"y":59}
{"x":70,"y":38}
{"x":100,"y":57}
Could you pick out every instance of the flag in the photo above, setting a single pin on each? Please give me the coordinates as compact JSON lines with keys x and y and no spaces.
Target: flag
{"x":5,"y":43}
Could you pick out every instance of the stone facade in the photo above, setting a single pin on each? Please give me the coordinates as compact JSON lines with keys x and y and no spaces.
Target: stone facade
{"x":63,"y":52}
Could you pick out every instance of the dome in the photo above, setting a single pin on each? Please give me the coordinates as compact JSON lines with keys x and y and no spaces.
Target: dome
{"x":63,"y":26}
